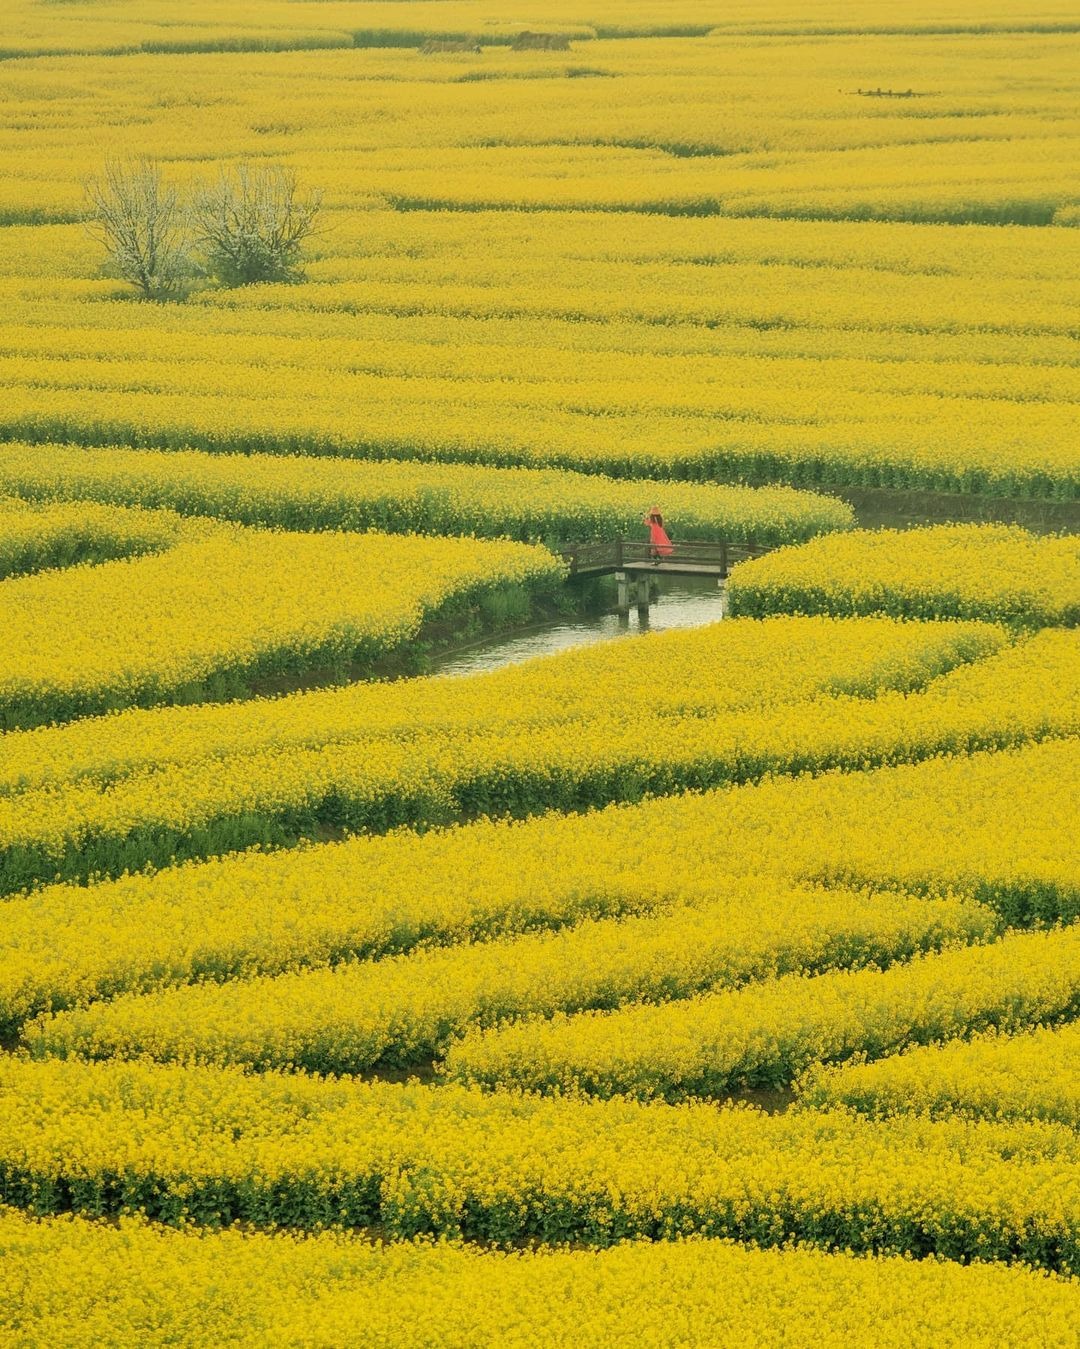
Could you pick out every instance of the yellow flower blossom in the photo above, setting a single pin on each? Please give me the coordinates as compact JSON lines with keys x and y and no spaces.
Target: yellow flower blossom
{"x":64,"y":534}
{"x":765,"y":1035}
{"x":91,"y":1285}
{"x":214,"y":1145}
{"x":226,"y":605}
{"x":951,"y":571}
{"x":527,"y":740}
{"x":303,"y":492}
{"x":404,"y":1011}
{"x":947,"y":823}
{"x":995,"y":1076}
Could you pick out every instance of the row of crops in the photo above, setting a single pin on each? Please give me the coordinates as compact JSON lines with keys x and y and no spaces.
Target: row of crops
{"x":257,"y":1289}
{"x":594,"y":274}
{"x":56,"y":1156}
{"x":653,"y":386}
{"x":215,"y":1146}
{"x":281,"y":25}
{"x":253,"y":912}
{"x":112,"y":801}
{"x":714,"y":986}
{"x":573,"y":993}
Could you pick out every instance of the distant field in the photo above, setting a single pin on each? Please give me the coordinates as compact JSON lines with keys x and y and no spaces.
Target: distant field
{"x":710,"y":985}
{"x":722,"y":257}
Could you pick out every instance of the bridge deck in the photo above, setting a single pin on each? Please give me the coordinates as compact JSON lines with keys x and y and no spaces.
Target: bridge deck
{"x":673,"y":567}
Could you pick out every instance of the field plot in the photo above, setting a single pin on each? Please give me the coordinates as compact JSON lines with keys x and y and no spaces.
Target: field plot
{"x":719,"y":257}
{"x":362,"y":781}
{"x":225,"y":605}
{"x":998,"y":1077}
{"x":706,"y":985}
{"x":256,"y":1290}
{"x":299,"y":492}
{"x":958,"y":571}
{"x":40,"y":537}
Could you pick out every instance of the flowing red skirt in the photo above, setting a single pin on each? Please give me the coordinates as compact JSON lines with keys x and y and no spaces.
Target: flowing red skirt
{"x":659,"y":541}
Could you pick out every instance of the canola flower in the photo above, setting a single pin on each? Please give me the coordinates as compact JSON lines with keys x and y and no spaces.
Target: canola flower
{"x":301,"y":492}
{"x":215,"y":1146}
{"x":137,"y":1281}
{"x":1025,"y":692}
{"x":932,"y":358}
{"x":64,"y":534}
{"x":708,"y":671}
{"x":262,"y":27}
{"x":404,"y":1011}
{"x":993,"y":572}
{"x":1031,"y":1076}
{"x":945,"y":824}
{"x":768,"y":1034}
{"x":227,"y":605}
{"x":884,"y":425}
{"x":254,"y":913}
{"x":798,"y":287}
{"x":891,"y":443}
{"x":654,"y":124}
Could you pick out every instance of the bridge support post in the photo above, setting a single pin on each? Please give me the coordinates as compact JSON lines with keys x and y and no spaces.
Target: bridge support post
{"x":642,"y":589}
{"x":623,"y":599}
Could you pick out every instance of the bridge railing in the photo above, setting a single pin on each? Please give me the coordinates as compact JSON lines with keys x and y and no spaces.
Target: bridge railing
{"x":713,"y":553}
{"x":597,"y":555}
{"x":609,"y":555}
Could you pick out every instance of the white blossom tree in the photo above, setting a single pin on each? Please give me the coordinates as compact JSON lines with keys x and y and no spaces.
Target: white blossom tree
{"x":139,"y":219}
{"x":251,"y":222}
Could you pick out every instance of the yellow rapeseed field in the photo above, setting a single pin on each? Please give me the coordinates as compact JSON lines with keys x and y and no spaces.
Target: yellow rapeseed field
{"x":761,"y":1036}
{"x":553,"y":757}
{"x":404,"y":1011}
{"x":217,"y":1146}
{"x":254,"y":1290}
{"x":1031,"y":1076}
{"x":226,"y":605}
{"x":696,"y":987}
{"x":574,"y":258}
{"x":62,"y":534}
{"x":940,"y":826}
{"x":304,"y":492}
{"x":957,"y":571}
{"x":712,"y":669}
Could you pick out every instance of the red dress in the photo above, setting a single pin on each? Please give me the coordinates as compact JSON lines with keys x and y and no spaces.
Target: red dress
{"x":658,"y":540}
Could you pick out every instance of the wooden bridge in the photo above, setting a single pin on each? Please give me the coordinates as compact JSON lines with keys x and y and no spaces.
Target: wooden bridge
{"x":637,"y":560}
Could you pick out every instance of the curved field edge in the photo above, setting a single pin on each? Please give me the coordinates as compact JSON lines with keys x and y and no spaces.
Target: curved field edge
{"x":216,"y":1147}
{"x":931,"y":828}
{"x":1030,"y":1074}
{"x":408,"y":1012}
{"x":255,"y":1289}
{"x":808,"y":470}
{"x":734,"y":665}
{"x":298,"y":492}
{"x":229,"y":607}
{"x":429,"y":780}
{"x":963,"y":571}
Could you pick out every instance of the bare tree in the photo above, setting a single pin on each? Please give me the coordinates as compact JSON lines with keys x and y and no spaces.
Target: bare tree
{"x":251,"y":223}
{"x":137,"y":216}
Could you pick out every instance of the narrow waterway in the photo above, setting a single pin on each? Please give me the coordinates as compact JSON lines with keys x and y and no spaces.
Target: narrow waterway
{"x":683,"y":602}
{"x":689,"y":602}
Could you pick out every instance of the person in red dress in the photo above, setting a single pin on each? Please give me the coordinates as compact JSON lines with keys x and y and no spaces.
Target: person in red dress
{"x":660,"y":545}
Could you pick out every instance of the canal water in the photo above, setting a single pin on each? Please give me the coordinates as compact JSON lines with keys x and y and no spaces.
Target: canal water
{"x":683,"y":602}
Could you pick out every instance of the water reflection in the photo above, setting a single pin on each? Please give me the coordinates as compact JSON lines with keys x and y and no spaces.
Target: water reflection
{"x":684,"y":602}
